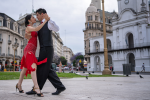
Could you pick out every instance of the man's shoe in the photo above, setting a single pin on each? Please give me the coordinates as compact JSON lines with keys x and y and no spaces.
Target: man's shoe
{"x":31,"y":92}
{"x":58,"y":91}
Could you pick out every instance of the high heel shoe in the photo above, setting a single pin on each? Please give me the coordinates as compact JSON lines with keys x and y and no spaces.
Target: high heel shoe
{"x":18,"y":89}
{"x":38,"y":94}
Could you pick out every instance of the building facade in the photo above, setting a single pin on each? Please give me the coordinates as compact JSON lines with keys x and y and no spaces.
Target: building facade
{"x":94,"y":26}
{"x":130,"y":41}
{"x":67,"y":53}
{"x":10,"y":34}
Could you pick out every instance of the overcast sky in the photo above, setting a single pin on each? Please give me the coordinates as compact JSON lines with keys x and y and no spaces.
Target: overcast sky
{"x":69,"y":15}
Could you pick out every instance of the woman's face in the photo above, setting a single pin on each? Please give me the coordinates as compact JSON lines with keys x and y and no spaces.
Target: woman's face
{"x":33,"y":20}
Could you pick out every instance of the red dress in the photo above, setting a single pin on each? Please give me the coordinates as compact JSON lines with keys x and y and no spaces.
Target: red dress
{"x":29,"y":55}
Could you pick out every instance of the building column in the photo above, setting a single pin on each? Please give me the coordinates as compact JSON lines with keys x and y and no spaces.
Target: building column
{"x":92,"y":63}
{"x":144,"y":34}
{"x":136,"y":41}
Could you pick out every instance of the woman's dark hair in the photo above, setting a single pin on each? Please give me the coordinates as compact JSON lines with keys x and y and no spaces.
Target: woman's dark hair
{"x":28,"y":17}
{"x":40,"y":11}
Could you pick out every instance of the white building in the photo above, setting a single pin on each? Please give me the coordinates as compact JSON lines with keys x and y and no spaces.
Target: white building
{"x":130,"y":41}
{"x":67,"y":53}
{"x":10,"y":33}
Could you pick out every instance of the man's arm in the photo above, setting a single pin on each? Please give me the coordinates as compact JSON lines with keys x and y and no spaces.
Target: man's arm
{"x":52,"y":26}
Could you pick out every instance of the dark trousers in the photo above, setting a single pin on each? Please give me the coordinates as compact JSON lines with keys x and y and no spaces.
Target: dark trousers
{"x":45,"y":71}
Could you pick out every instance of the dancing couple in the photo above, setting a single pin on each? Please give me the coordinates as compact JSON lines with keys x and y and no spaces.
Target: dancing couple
{"x":40,"y":69}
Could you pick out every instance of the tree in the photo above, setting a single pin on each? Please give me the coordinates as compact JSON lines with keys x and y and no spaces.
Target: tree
{"x":76,"y":58}
{"x":63,"y":60}
{"x":55,"y":58}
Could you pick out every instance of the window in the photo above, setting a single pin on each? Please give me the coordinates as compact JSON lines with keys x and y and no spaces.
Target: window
{"x":89,"y":34}
{"x":89,"y":44}
{"x":90,"y":26}
{"x":85,"y":44}
{"x":21,"y":52}
{"x":88,"y":18}
{"x":91,"y":18}
{"x":8,"y":24}
{"x":85,"y":35}
{"x":96,"y":18}
{"x":9,"y":37}
{"x":0,"y":23}
{"x":15,"y":28}
{"x":0,"y":36}
{"x":15,"y":40}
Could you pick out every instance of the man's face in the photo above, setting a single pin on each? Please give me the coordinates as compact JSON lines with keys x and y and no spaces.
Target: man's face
{"x":39,"y":16}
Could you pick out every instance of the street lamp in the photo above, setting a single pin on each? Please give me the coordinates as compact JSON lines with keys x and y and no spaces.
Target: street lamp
{"x":15,"y":46}
{"x":106,"y":70}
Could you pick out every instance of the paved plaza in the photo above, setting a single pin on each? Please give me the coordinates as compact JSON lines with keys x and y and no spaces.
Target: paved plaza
{"x":97,"y":88}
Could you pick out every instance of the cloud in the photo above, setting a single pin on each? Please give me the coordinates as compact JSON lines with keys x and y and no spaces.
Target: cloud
{"x":68,"y":14}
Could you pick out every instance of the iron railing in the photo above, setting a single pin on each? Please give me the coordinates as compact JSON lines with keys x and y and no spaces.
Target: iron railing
{"x":130,"y":46}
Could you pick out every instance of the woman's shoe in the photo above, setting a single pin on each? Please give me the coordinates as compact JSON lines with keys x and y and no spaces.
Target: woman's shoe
{"x":38,"y":94}
{"x":18,"y":89}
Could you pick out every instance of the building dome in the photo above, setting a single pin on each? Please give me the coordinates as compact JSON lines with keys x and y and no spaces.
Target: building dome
{"x":92,"y":8}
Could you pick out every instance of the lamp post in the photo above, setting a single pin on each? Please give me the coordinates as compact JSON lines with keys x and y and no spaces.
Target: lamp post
{"x":15,"y":46}
{"x":106,"y":70}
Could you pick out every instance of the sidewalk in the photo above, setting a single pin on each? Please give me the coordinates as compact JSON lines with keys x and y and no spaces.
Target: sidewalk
{"x":100,"y":88}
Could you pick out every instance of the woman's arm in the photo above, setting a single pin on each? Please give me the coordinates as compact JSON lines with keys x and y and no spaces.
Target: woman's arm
{"x":30,"y":28}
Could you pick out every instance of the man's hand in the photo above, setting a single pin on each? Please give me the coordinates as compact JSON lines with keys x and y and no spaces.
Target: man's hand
{"x":46,"y":17}
{"x":27,"y":36}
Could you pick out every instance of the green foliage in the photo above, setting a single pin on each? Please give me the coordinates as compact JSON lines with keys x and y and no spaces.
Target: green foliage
{"x":80,"y":57}
{"x":63,"y":60}
{"x":74,"y":63}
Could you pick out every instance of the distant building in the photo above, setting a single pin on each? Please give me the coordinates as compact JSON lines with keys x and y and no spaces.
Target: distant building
{"x":67,"y":53}
{"x":10,"y":33}
{"x":94,"y":26}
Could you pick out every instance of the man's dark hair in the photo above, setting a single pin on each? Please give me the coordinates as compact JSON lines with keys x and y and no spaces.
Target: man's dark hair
{"x":41,"y":10}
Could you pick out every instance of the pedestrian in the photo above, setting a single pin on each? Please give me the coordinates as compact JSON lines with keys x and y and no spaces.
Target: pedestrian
{"x":2,"y":67}
{"x":143,"y":68}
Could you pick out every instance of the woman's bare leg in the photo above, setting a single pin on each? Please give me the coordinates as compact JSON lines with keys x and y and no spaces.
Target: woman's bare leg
{"x":22,"y":74}
{"x":34,"y":78}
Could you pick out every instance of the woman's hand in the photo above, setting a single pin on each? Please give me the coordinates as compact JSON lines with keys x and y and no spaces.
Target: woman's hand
{"x":46,"y":17}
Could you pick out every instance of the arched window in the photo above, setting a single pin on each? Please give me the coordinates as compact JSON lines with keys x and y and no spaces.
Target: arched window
{"x":0,"y":22}
{"x":91,"y":18}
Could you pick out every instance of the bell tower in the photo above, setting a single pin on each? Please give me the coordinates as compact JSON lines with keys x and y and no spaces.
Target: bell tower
{"x":97,"y":4}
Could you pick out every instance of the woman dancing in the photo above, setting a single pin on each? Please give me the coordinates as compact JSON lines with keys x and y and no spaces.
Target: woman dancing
{"x":29,"y":61}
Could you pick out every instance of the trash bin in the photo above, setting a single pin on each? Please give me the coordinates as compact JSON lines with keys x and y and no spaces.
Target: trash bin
{"x":126,"y":69}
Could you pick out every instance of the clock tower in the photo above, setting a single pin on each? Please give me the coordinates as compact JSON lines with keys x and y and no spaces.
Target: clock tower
{"x":97,"y":4}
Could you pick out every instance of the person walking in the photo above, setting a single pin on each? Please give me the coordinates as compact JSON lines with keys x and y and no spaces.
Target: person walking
{"x":2,"y":67}
{"x":143,"y":67}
